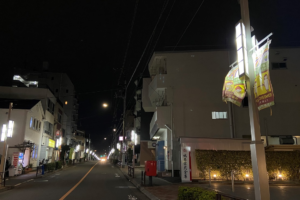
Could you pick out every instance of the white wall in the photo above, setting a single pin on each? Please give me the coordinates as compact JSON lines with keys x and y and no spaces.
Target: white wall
{"x":22,"y":132}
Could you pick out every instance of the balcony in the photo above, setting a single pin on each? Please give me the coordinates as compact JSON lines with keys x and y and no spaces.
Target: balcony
{"x":157,"y":89}
{"x":161,"y":117}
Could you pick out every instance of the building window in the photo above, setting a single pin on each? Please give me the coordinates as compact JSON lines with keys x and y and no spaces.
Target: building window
{"x":279,"y":66}
{"x":219,"y":115}
{"x":31,"y":122}
{"x":35,"y":124}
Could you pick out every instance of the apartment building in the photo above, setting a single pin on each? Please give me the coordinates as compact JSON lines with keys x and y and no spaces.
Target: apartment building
{"x":185,"y":93}
{"x":25,"y":143}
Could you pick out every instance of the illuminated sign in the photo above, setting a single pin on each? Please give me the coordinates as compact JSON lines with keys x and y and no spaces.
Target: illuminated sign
{"x":51,"y":143}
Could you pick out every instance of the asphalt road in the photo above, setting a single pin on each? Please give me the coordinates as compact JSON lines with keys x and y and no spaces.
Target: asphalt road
{"x":103,"y":181}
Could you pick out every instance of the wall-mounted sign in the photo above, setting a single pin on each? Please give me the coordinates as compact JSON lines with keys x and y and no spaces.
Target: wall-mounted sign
{"x":186,"y":171}
{"x":51,"y":143}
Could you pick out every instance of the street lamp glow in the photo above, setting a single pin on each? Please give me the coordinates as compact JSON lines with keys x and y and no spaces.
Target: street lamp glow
{"x":87,"y":150}
{"x":105,"y":138}
{"x":105,"y":105}
{"x":114,"y":130}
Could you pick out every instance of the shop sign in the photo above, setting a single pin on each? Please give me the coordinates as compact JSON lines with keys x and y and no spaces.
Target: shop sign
{"x":51,"y":143}
{"x":15,"y":159}
{"x":186,"y":172}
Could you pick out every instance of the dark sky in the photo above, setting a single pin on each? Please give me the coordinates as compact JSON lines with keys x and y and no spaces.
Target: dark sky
{"x":87,"y":39}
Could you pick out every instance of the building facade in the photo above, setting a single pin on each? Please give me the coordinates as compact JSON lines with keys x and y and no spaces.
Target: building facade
{"x":185,"y":93}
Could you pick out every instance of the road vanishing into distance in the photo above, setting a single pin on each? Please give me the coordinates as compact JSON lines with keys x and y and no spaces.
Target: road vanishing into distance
{"x":86,"y":181}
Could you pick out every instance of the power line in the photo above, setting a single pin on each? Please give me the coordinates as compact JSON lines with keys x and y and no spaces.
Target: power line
{"x":150,"y":39}
{"x":188,"y":25}
{"x":129,"y":39}
{"x":156,"y":43}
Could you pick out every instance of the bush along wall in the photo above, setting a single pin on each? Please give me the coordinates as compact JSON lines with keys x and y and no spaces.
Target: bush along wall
{"x":195,"y":193}
{"x":283,"y":165}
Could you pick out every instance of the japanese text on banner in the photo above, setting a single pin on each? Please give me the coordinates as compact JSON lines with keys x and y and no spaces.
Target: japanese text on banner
{"x":263,"y":90}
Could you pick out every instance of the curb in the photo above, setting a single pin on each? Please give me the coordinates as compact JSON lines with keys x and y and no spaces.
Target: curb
{"x":6,"y":188}
{"x":139,"y":187}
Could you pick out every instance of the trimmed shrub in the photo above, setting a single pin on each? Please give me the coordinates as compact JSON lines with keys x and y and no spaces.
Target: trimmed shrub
{"x":285,"y":163}
{"x":195,"y":193}
{"x":58,"y":164}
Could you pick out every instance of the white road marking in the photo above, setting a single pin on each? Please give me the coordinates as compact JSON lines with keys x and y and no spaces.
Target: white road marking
{"x":130,"y":197}
{"x":117,"y":175}
{"x":18,"y":184}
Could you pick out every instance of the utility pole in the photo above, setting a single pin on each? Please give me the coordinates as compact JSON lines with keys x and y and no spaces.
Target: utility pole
{"x":122,"y":154}
{"x":5,"y":145}
{"x":261,"y":183}
{"x":89,"y":146}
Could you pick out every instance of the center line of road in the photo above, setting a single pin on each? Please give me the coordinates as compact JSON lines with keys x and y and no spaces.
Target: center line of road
{"x":73,"y":188}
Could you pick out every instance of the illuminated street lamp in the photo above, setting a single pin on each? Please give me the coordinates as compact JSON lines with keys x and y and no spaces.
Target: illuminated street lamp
{"x":105,"y":105}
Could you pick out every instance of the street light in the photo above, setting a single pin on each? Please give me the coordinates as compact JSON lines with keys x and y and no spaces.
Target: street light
{"x":105,"y":138}
{"x":105,"y":105}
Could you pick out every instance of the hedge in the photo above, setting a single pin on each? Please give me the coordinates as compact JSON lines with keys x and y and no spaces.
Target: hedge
{"x":286,"y":163}
{"x":195,"y":193}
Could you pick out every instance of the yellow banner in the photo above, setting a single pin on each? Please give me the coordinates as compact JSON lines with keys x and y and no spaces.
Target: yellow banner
{"x":263,"y":90}
{"x":234,"y":88}
{"x":51,"y":143}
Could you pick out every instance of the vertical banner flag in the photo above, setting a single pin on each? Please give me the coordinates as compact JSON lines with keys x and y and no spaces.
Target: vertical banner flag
{"x":263,"y":90}
{"x":186,"y":165}
{"x":234,"y":89}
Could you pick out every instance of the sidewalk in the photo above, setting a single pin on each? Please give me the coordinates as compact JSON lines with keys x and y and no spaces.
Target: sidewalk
{"x":168,"y":190}
{"x":13,"y":181}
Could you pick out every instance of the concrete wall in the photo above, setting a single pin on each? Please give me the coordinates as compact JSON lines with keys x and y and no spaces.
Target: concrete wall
{"x":146,"y":153}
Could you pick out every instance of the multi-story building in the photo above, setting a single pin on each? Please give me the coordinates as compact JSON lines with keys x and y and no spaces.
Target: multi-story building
{"x":25,"y":144}
{"x":184,"y":92}
{"x":48,"y":101}
{"x":80,"y":147}
{"x":145,"y":150}
{"x":60,"y":85}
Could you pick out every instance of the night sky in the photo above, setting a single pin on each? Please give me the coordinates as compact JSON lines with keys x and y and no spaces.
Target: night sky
{"x":87,"y":39}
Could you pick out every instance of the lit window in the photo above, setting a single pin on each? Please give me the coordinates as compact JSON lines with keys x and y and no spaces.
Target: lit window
{"x":219,"y":115}
{"x":31,"y":121}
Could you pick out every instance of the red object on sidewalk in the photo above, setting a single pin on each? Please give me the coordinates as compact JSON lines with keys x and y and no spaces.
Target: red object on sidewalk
{"x":150,"y":168}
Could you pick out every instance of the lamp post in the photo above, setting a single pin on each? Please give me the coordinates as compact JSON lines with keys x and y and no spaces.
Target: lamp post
{"x":7,"y":132}
{"x":261,"y":184}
